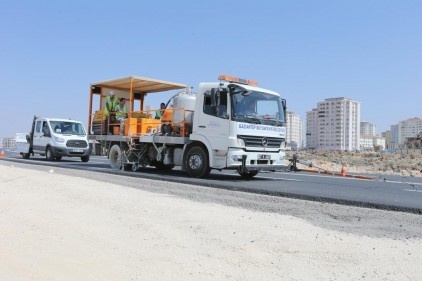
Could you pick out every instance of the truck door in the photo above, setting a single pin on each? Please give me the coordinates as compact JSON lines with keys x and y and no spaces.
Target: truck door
{"x":214,"y":120}
{"x":42,"y":136}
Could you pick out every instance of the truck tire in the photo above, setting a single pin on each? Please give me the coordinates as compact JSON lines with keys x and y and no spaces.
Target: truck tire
{"x":115,"y":157}
{"x":247,"y":175}
{"x":49,"y":154}
{"x":197,"y":163}
{"x":85,"y":158}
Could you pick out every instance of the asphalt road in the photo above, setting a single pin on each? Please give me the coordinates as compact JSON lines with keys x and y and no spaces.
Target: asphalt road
{"x":387,"y":192}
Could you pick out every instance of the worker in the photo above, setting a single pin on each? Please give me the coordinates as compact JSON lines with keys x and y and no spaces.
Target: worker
{"x":111,"y":102}
{"x":159,"y":113}
{"x":110,"y":108}
{"x":121,"y":114}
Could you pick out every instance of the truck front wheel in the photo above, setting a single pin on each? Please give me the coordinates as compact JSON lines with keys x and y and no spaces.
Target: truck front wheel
{"x":197,"y":163}
{"x":115,"y":157}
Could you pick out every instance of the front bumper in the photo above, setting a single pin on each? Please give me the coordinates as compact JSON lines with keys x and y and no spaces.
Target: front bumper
{"x":247,"y":161}
{"x":70,"y":151}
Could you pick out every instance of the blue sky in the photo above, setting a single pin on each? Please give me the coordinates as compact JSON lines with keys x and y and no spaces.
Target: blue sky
{"x":370,"y":51}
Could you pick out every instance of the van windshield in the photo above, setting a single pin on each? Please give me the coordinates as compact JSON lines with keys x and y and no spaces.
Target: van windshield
{"x":67,"y":128}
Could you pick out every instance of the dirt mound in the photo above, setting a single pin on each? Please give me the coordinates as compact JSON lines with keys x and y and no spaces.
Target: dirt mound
{"x":362,"y":162}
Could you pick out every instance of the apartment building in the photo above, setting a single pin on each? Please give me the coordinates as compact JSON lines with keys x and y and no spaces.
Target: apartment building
{"x":294,"y":131}
{"x":387,"y":136}
{"x":334,"y":125}
{"x":394,"y":129}
{"x":312,"y":129}
{"x":367,"y":129}
{"x":408,"y":128}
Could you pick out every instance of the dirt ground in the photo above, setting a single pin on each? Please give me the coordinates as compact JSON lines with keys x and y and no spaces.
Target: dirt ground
{"x":362,"y":162}
{"x":60,"y":227}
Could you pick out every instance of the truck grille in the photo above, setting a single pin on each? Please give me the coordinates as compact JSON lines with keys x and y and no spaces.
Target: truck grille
{"x":256,"y":141}
{"x":76,"y":143}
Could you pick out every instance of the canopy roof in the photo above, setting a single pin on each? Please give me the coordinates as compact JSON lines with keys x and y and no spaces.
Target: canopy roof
{"x":139,"y":84}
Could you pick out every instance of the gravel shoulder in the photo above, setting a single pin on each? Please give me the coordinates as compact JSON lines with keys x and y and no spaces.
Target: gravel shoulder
{"x":75,"y":225}
{"x":408,"y":165}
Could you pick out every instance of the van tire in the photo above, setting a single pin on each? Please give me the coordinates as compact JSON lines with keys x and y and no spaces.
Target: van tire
{"x":85,"y":158}
{"x":49,"y":154}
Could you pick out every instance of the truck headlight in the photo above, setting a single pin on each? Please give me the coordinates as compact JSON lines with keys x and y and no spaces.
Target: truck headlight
{"x":59,"y":139}
{"x":240,"y":142}
{"x":237,"y":157}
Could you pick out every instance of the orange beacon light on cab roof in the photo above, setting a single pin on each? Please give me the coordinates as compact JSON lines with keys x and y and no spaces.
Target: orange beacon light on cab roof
{"x":230,"y":78}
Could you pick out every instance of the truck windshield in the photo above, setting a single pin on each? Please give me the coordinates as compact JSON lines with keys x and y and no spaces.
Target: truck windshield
{"x":67,"y":128}
{"x":257,"y":107}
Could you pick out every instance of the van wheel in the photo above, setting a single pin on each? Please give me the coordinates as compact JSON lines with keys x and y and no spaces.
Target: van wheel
{"x":197,"y":163}
{"x":85,"y":158}
{"x":49,"y":154}
{"x":115,"y":157}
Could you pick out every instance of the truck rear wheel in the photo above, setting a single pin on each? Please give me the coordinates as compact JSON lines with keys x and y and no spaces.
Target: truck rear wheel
{"x":115,"y":157}
{"x":197,"y":163}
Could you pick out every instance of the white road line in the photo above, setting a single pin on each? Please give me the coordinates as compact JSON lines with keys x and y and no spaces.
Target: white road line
{"x":320,"y":176}
{"x":279,"y":179}
{"x":405,"y":182}
{"x":413,"y":190}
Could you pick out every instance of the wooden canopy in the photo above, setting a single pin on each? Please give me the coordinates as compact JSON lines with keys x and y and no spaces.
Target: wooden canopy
{"x":139,"y":84}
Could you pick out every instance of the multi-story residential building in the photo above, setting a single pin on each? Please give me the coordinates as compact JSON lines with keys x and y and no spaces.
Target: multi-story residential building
{"x":8,"y":143}
{"x":371,"y":143}
{"x":334,"y":125}
{"x":312,"y":128}
{"x":367,"y":129}
{"x":408,"y":128}
{"x":394,"y":143}
{"x":387,"y":136}
{"x":294,"y":130}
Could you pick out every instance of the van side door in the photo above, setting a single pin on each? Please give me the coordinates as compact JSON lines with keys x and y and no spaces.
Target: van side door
{"x":42,"y":136}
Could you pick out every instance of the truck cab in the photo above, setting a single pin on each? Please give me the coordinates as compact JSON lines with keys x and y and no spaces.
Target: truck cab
{"x":242,"y":126}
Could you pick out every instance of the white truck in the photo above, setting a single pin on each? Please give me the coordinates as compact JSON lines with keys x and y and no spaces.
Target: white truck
{"x":55,"y":138}
{"x":228,"y":124}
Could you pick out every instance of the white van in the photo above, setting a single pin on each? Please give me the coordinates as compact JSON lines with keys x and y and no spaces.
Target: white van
{"x":55,"y":138}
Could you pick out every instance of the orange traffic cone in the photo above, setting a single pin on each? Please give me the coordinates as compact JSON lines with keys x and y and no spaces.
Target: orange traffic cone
{"x":2,"y":153}
{"x":343,"y":170}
